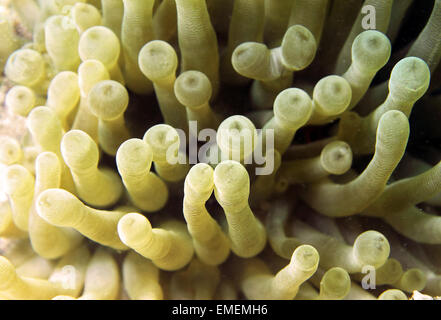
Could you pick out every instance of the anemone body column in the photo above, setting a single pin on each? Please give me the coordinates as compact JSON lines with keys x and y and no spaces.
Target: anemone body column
{"x":19,"y":187}
{"x":311,"y":14}
{"x":165,"y":141}
{"x":257,"y":282}
{"x":102,"y":44}
{"x":276,"y":19}
{"x":47,"y":133}
{"x":292,"y":110}
{"x":63,"y":95}
{"x":108,"y":100}
{"x":63,"y":209}
{"x":113,"y":11}
{"x":334,"y":200}
{"x":16,"y":287}
{"x":158,"y":62}
{"x":210,"y":243}
{"x":136,"y":31}
{"x":8,"y":229}
{"x":169,"y":247}
{"x":370,"y":52}
{"x":232,"y":189}
{"x":102,"y":279}
{"x":97,"y":187}
{"x":62,"y":42}
{"x":273,"y":68}
{"x":90,"y":73}
{"x":369,"y":248}
{"x":408,"y":82}
{"x":335,"y":159}
{"x":428,"y":44}
{"x":165,"y":20}
{"x":397,"y":206}
{"x":85,"y":16}
{"x":146,"y":189}
{"x":141,"y":278}
{"x":197,"y":40}
{"x":383,"y":10}
{"x":247,"y":24}
{"x":47,"y":240}
{"x":193,"y":89}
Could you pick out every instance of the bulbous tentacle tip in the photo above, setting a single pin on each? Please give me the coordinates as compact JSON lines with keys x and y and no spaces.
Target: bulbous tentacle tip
{"x":332,"y":95}
{"x":230,"y":176}
{"x":293,"y":107}
{"x":393,"y":294}
{"x":56,"y":205}
{"x":336,"y":283}
{"x":193,"y":89}
{"x":108,"y":99}
{"x":157,"y":60}
{"x":79,"y":150}
{"x":201,"y":177}
{"x":305,"y":258}
{"x":132,"y":227}
{"x":299,"y":47}
{"x":133,"y":157}
{"x":371,"y":248}
{"x":249,"y":56}
{"x":336,"y":157}
{"x":371,"y":50}
{"x":409,"y":79}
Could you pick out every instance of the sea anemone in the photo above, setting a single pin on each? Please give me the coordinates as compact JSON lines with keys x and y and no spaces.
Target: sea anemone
{"x":220,"y":149}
